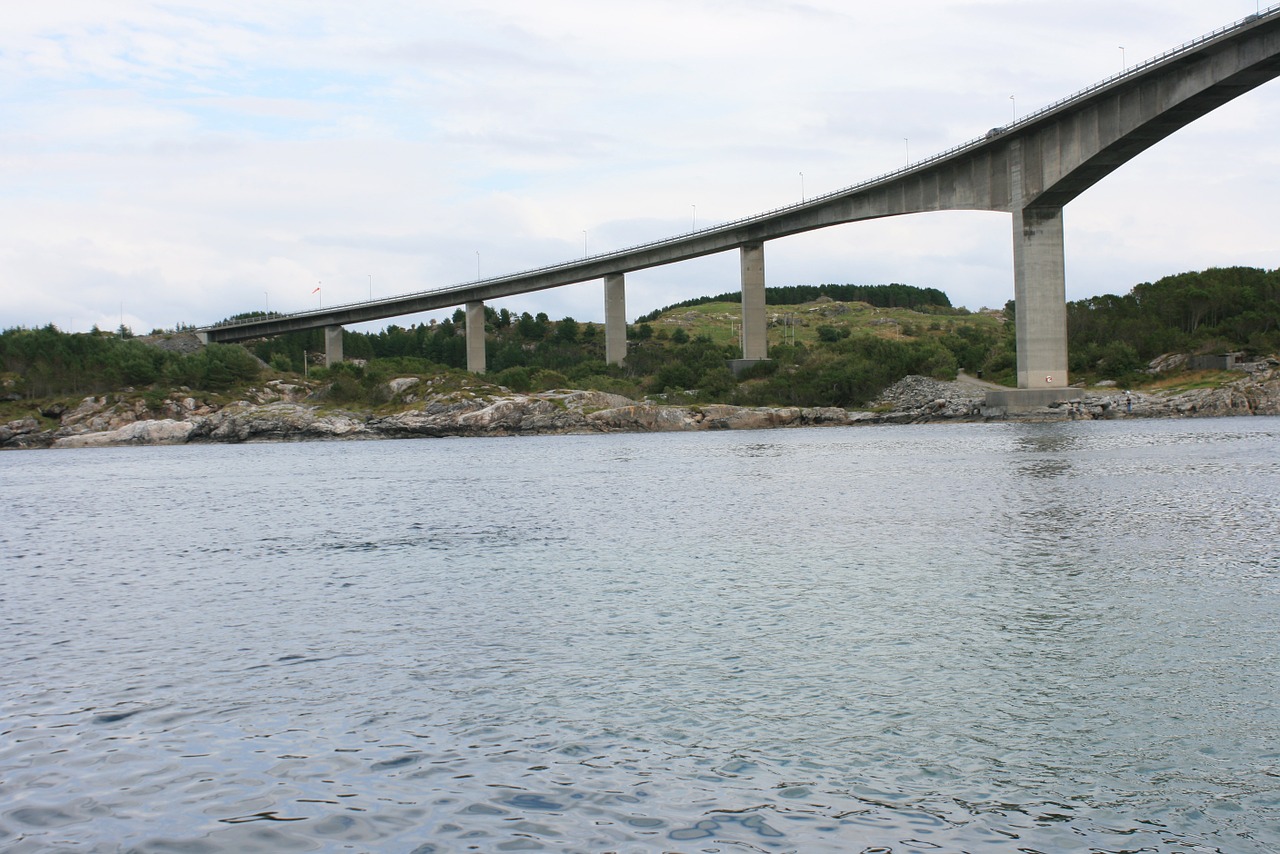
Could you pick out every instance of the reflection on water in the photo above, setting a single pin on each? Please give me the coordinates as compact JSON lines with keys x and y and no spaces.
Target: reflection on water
{"x":944,"y":638}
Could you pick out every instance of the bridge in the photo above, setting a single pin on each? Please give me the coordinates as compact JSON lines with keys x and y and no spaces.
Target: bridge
{"x":1030,"y":169}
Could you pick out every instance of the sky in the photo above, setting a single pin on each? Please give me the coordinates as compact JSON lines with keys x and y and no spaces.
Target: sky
{"x":166,"y":163}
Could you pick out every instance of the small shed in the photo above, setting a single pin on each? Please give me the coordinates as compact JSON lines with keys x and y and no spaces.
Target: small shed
{"x":1216,"y":362}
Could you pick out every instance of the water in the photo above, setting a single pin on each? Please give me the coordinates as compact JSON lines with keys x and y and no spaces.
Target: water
{"x":1021,"y":638}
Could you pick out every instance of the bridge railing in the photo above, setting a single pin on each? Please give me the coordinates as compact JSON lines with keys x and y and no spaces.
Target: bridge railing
{"x":814,"y":201}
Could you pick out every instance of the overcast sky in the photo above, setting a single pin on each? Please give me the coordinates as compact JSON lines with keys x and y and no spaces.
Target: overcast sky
{"x":181,"y":162}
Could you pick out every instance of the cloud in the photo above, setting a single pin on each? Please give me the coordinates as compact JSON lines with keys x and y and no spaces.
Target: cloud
{"x":196,"y":161}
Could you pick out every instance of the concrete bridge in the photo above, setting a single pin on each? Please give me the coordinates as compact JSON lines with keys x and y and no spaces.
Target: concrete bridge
{"x":1031,"y":169}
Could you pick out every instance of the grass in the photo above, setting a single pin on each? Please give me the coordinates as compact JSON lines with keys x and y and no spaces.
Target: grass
{"x":722,"y":321}
{"x":1194,"y":380}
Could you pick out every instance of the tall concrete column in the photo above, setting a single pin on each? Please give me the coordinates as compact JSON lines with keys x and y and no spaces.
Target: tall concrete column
{"x":615,"y":319}
{"x":754,"y":343}
{"x":1040,"y":291}
{"x":332,"y":345}
{"x":475,"y":337}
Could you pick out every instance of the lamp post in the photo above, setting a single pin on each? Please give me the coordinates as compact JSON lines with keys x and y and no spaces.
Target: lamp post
{"x":1014,"y":101}
{"x":1124,"y":66}
{"x":694,"y":226}
{"x":802,"y":186}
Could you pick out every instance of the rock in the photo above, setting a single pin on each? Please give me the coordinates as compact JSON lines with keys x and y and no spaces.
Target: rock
{"x":1167,"y":363}
{"x":279,"y":412}
{"x":925,"y":395}
{"x":176,"y":342}
{"x":163,"y":432}
{"x":642,"y":418}
{"x":401,"y":383}
{"x":21,"y":427}
{"x":244,"y":422}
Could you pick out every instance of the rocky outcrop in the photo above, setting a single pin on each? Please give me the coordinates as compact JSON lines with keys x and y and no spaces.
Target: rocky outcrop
{"x":281,"y":411}
{"x":587,"y":412}
{"x":163,"y":432}
{"x":1257,"y":392}
{"x":22,"y":433}
{"x":244,"y":421}
{"x":175,"y":342}
{"x":915,"y":400}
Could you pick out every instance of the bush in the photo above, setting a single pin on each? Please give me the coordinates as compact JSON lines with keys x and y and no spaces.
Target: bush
{"x":544,"y":380}
{"x":516,"y":379}
{"x":1118,"y":359}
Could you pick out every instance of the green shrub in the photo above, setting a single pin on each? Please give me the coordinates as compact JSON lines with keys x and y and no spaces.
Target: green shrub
{"x":545,"y":380}
{"x":516,"y":379}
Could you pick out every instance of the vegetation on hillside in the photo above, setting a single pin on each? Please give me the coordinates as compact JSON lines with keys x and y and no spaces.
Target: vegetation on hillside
{"x":881,"y":296}
{"x":46,"y":362}
{"x":822,"y":352}
{"x":829,"y":345}
{"x":1221,"y":309}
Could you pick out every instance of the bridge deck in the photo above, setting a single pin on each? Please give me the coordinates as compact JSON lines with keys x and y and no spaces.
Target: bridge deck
{"x":1061,"y":150}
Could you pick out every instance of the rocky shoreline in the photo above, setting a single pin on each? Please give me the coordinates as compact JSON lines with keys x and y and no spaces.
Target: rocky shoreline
{"x":281,"y":411}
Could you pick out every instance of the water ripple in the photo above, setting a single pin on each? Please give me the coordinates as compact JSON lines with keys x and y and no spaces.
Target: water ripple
{"x":964,"y":637}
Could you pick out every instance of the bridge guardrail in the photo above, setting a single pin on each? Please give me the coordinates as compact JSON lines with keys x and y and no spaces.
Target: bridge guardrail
{"x":815,"y":201}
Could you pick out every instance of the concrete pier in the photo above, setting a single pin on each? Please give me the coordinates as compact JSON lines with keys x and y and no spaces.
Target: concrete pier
{"x":615,"y":319}
{"x":1039,"y":291}
{"x":755,"y":344}
{"x":475,"y":337}
{"x":332,"y":345}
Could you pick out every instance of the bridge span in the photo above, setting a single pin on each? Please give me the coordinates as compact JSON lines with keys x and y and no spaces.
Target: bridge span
{"x":1030,"y":169}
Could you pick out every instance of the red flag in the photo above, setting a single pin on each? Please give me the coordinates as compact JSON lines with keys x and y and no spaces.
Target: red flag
{"x":316,"y":291}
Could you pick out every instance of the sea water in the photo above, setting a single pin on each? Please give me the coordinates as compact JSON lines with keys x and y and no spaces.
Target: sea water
{"x":1021,"y":638}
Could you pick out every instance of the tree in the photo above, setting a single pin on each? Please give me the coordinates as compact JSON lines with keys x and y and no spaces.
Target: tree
{"x":567,"y":330}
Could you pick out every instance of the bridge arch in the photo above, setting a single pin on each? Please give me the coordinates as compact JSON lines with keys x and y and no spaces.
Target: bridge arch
{"x":1029,"y":169}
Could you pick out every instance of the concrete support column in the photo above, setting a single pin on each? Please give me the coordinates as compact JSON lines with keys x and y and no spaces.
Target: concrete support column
{"x":332,"y":345}
{"x":754,"y":343}
{"x":615,"y":319}
{"x":475,"y":337}
{"x":1040,"y":291}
